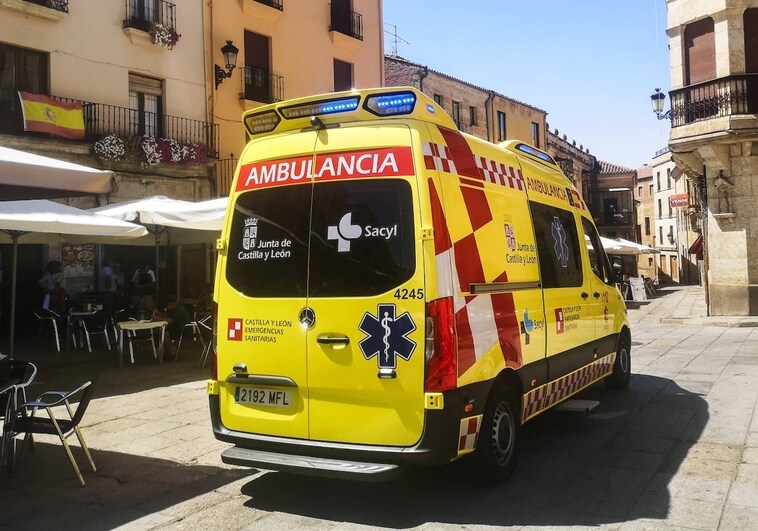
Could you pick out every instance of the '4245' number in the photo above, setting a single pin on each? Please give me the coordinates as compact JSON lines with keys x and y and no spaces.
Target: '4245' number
{"x":405,"y":294}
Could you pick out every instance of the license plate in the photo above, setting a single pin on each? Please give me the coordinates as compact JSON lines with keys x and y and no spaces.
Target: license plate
{"x":260,"y":396}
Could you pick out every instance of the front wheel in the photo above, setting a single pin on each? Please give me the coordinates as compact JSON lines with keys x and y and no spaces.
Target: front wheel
{"x":622,"y":367}
{"x":495,"y":455}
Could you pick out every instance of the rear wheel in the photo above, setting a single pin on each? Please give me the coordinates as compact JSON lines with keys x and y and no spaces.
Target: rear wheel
{"x":495,"y":455}
{"x":622,"y":367}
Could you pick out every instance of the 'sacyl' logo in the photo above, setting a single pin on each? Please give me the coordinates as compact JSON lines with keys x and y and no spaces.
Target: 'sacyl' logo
{"x":343,"y":232}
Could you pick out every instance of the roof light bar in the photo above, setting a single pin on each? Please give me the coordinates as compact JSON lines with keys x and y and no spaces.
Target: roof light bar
{"x":321,"y":107}
{"x":535,"y":153}
{"x":393,"y":104}
{"x":264,"y":122}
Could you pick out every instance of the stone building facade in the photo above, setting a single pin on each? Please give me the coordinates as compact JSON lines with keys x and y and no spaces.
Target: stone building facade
{"x":643,"y":196}
{"x":714,"y":139}
{"x":475,"y":110}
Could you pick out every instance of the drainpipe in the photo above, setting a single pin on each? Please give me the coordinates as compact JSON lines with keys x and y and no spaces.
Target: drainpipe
{"x":422,"y":74}
{"x":487,"y":105}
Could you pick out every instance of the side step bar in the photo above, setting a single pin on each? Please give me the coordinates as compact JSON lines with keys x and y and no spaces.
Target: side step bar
{"x":311,"y":466}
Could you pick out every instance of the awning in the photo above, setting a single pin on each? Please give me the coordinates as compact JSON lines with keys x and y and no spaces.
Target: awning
{"x":697,"y":247}
{"x":26,"y":175}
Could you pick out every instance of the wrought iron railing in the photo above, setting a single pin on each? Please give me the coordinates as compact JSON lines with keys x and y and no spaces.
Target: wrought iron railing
{"x":58,"y":5}
{"x":722,"y":97}
{"x":101,"y":119}
{"x":346,"y":21}
{"x":142,"y":14}
{"x":258,"y":84}
{"x":223,"y":171}
{"x":276,"y":4}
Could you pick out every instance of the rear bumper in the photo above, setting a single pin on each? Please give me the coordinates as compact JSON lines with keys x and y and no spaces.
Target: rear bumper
{"x":438,"y":445}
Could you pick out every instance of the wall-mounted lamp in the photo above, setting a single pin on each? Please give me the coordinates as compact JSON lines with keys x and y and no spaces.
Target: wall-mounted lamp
{"x":230,"y":52}
{"x":657,"y":99}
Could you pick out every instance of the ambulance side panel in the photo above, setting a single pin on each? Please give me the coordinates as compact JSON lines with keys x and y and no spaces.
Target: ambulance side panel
{"x":486,"y":257}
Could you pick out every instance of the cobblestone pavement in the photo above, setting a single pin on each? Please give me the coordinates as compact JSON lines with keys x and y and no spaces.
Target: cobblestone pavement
{"x":678,"y":450}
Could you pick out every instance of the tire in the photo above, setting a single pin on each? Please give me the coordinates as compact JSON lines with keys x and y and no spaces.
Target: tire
{"x":495,"y":457}
{"x":622,"y":367}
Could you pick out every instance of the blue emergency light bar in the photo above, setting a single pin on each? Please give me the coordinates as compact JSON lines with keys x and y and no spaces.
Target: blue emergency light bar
{"x":321,"y":107}
{"x":392,"y":104}
{"x":535,"y":153}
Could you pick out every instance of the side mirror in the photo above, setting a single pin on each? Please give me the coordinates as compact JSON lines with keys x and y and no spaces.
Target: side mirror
{"x":618,"y":268}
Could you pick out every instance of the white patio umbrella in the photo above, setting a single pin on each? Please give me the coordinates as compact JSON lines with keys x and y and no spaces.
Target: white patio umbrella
{"x":47,"y":221}
{"x":183,"y":221}
{"x":626,"y":247}
{"x":26,"y":175}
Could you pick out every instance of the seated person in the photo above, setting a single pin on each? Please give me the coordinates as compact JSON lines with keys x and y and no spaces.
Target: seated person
{"x":176,"y":316}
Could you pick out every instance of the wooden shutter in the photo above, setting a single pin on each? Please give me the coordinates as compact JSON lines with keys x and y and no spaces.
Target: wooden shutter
{"x":700,"y":49}
{"x":751,"y":41}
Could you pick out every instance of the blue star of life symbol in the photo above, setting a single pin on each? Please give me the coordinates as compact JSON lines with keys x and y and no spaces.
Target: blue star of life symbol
{"x":386,"y":336}
{"x":561,"y":248}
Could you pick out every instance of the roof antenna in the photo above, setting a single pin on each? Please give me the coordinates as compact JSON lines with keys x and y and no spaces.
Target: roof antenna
{"x":395,"y":38}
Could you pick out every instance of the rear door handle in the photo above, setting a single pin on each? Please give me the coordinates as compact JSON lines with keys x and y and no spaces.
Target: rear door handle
{"x":585,"y":295}
{"x":596,"y":295}
{"x":333,"y":340}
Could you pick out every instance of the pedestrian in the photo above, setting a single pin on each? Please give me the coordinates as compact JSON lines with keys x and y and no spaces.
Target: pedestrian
{"x":177,"y":316}
{"x":143,"y":281}
{"x":53,"y":288}
{"x":106,"y":287}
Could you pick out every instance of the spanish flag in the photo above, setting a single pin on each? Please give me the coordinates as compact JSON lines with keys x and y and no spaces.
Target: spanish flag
{"x":43,"y":114}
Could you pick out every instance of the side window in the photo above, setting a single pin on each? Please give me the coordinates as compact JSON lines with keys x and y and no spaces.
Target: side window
{"x":557,"y":245}
{"x":599,"y":263}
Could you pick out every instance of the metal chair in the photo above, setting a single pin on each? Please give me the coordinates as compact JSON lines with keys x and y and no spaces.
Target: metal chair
{"x":194,"y":327}
{"x":92,"y":325}
{"x":24,"y":422}
{"x":206,"y":325}
{"x":51,"y":318}
{"x":21,"y":374}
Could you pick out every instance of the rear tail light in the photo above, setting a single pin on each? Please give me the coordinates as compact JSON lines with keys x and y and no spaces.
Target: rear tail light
{"x":214,"y":341}
{"x":439,"y":349}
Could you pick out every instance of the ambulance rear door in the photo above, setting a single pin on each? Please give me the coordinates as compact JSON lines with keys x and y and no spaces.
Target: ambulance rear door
{"x":365,"y":352}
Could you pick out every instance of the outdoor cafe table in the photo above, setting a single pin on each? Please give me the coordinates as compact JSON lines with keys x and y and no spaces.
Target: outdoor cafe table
{"x":73,"y":318}
{"x":140,"y":325}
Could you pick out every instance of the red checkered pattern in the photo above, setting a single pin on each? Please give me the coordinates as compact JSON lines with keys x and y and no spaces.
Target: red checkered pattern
{"x":548,"y":395}
{"x":234,"y":329}
{"x":498,"y":173}
{"x":469,"y":433}
{"x":438,"y":157}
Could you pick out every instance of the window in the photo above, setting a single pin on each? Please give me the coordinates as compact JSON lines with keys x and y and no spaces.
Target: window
{"x":599,"y":263}
{"x":145,"y":105}
{"x":316,"y":261}
{"x":501,"y":129}
{"x":457,"y":113}
{"x":438,"y":100}
{"x":257,"y":72}
{"x":750,"y":22}
{"x":650,"y":190}
{"x":658,"y":180}
{"x":143,"y":13}
{"x":668,"y":178}
{"x":660,"y":235}
{"x":536,"y":134}
{"x":20,"y":69}
{"x":557,"y":245}
{"x":647,"y":226}
{"x":472,"y":115}
{"x":660,"y":210}
{"x":700,"y":52}
{"x":343,"y":75}
{"x":639,"y":191}
{"x":650,"y":262}
{"x":671,"y":214}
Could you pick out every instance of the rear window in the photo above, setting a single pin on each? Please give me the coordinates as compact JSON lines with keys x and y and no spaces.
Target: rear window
{"x":358,"y":239}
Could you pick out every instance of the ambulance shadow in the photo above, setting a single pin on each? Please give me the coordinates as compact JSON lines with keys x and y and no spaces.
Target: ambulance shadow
{"x":610,"y":466}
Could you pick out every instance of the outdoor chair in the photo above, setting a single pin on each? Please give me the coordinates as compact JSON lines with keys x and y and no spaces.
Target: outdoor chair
{"x":205,"y":325}
{"x":94,"y":325}
{"x":21,"y":374}
{"x":192,"y":327}
{"x":50,"y":318}
{"x":25,"y":422}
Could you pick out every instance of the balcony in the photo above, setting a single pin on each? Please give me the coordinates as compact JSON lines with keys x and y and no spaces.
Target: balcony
{"x":276,"y":4}
{"x":346,"y":21}
{"x":57,"y":5}
{"x":613,"y":207}
{"x":728,"y":96}
{"x":101,"y":119}
{"x":45,"y":9}
{"x":258,"y":84}
{"x":143,"y":14}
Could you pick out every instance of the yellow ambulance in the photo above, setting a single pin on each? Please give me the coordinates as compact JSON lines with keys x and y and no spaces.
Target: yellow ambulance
{"x":391,"y":291}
